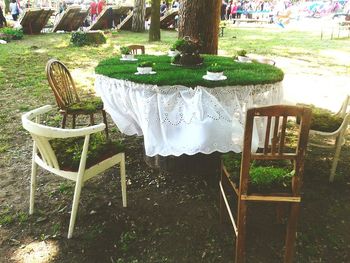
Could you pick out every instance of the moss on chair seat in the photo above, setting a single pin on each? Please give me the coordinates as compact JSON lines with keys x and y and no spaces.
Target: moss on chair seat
{"x":68,"y":150}
{"x":86,"y":106}
{"x":323,"y":120}
{"x":264,"y":176}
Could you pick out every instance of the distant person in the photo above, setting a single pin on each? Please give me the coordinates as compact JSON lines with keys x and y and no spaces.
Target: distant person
{"x":14,"y":10}
{"x":28,"y":4}
{"x":223,"y":9}
{"x":228,"y":10}
{"x":62,"y":7}
{"x":101,"y":4}
{"x":163,"y":8}
{"x":93,"y":10}
{"x":2,"y":18}
{"x":175,"y":5}
{"x":233,"y":12}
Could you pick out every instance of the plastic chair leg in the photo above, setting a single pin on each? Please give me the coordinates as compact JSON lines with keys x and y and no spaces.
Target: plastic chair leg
{"x":33,"y":182}
{"x":336,"y":156}
{"x":75,"y":205}
{"x":123,"y":180}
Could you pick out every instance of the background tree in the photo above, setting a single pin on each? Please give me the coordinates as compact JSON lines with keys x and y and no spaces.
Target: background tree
{"x":199,"y":19}
{"x":7,"y":7}
{"x":138,"y":19}
{"x":154,"y":30}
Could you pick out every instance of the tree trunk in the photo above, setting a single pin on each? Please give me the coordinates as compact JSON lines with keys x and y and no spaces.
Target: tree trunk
{"x":7,"y":7}
{"x":138,"y":19}
{"x":154,"y":31}
{"x":199,"y":19}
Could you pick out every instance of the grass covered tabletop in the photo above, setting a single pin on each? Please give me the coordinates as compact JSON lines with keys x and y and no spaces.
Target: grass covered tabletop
{"x":237,"y":73}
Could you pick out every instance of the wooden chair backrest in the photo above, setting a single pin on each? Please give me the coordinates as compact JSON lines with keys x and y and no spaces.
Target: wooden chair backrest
{"x":61,"y":83}
{"x":135,"y":48}
{"x":274,"y":142}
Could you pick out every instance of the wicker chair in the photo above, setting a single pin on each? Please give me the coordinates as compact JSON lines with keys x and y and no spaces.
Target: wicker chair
{"x":45,"y":155}
{"x":274,"y":150}
{"x":63,"y":87}
{"x":135,"y":48}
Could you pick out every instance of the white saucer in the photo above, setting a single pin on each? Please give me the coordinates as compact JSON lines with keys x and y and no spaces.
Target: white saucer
{"x":208,"y":78}
{"x":243,"y":61}
{"x":151,"y":73}
{"x":126,"y":59}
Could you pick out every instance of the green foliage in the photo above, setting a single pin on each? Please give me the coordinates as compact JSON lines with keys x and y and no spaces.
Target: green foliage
{"x":89,"y":105}
{"x":126,"y":239}
{"x":176,"y":59}
{"x":125,"y":50}
{"x":215,"y":68}
{"x":79,"y":38}
{"x":323,"y":119}
{"x":69,"y":150}
{"x":167,"y":74}
{"x":186,"y":46}
{"x":9,"y":34}
{"x":263,"y":176}
{"x":242,"y":53}
{"x":145,"y":64}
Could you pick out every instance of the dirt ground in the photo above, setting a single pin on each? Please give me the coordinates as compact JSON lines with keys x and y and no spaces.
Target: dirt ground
{"x":170,"y":217}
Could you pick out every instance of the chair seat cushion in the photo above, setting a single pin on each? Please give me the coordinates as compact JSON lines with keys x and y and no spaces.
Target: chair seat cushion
{"x":264,"y":176}
{"x":323,"y":120}
{"x":68,"y":151}
{"x":86,"y":106}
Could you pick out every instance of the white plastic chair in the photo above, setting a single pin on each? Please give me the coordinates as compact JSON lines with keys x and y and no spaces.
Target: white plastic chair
{"x":337,"y":137}
{"x":47,"y":158}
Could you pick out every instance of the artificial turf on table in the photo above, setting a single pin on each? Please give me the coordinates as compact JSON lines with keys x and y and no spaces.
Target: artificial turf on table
{"x":237,"y":73}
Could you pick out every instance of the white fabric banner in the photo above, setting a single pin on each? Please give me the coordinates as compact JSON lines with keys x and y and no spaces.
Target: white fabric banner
{"x":176,"y":120}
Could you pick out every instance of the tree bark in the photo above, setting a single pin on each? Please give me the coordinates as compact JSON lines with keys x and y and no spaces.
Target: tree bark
{"x":200,"y":19}
{"x":7,"y":7}
{"x":154,"y":31}
{"x":138,"y":19}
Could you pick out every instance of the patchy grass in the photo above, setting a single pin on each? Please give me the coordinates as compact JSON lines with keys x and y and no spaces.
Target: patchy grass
{"x":175,"y":218}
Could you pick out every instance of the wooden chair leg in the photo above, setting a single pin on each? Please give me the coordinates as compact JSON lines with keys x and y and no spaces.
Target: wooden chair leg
{"x":281,"y":212}
{"x":92,"y":121}
{"x":291,"y":232}
{"x":75,"y":205}
{"x":63,"y":125}
{"x":33,"y":181}
{"x":123,"y":180}
{"x":73,"y":121}
{"x":241,"y":227}
{"x":105,"y":122}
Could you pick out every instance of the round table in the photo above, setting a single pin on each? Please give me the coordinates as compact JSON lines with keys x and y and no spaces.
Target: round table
{"x":175,"y":119}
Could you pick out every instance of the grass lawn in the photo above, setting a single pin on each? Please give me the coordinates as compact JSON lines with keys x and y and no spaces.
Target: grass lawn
{"x":169,"y":219}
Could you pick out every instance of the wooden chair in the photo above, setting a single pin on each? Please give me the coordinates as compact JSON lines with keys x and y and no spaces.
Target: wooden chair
{"x":63,"y":87}
{"x":335,"y":139}
{"x":45,"y":156}
{"x":135,"y":48}
{"x":274,"y":149}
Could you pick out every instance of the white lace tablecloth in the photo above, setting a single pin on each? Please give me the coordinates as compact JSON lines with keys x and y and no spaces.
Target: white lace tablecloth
{"x":176,"y":120}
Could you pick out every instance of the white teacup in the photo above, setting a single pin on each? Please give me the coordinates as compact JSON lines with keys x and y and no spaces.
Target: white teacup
{"x":243,"y":59}
{"x":128,"y":56}
{"x":144,"y":70}
{"x":214,"y":75}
